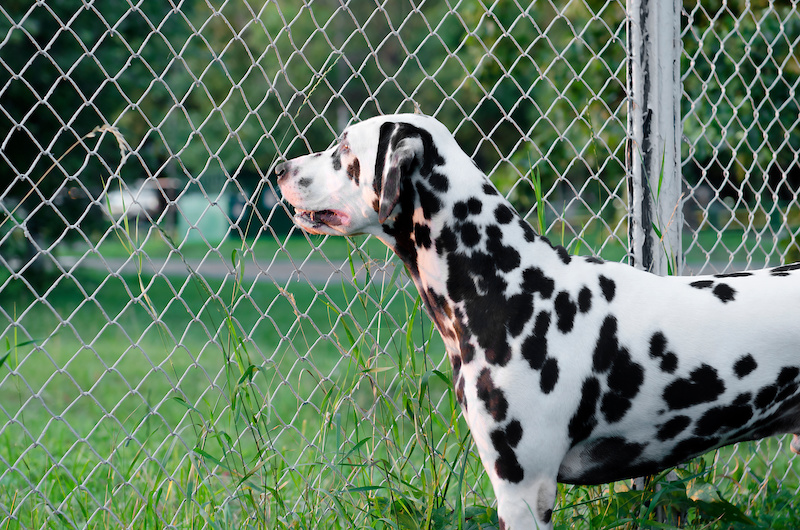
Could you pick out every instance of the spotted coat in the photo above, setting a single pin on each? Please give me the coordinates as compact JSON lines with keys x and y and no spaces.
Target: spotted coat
{"x":567,"y":368}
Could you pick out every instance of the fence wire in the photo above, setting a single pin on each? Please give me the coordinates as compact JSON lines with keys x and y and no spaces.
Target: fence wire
{"x":175,"y":353}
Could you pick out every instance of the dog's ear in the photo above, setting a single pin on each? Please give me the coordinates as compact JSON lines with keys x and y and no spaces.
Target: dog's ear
{"x":399,"y":152}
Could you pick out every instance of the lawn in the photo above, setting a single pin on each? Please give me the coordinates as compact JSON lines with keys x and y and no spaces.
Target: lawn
{"x":149,"y":401}
{"x":123,"y":397}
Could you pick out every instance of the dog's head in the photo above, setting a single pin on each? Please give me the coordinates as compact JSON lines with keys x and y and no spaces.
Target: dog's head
{"x":354,"y":187}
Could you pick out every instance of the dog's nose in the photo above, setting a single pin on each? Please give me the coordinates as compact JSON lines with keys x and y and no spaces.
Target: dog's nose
{"x":281,"y":170}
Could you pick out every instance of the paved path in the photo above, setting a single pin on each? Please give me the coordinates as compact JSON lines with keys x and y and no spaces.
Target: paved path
{"x":280,"y":271}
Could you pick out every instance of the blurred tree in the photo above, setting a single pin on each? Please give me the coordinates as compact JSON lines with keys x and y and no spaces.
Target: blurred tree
{"x":211,"y":93}
{"x":741,"y":77}
{"x":547,"y":89}
{"x":67,"y":68}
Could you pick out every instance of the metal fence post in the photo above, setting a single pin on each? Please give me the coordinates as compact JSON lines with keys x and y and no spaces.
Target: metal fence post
{"x":653,"y":148}
{"x":654,"y":132}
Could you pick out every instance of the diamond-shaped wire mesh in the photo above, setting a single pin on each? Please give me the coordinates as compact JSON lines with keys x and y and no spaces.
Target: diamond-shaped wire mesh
{"x":740,"y":77}
{"x":175,"y":353}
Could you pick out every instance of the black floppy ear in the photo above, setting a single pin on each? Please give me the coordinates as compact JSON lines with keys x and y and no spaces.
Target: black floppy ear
{"x":399,"y":151}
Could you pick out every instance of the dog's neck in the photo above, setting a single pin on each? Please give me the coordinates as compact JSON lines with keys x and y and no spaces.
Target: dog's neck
{"x":458,"y":246}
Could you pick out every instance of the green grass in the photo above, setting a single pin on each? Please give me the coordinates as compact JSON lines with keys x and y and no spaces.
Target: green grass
{"x":234,"y":385}
{"x":150,"y":401}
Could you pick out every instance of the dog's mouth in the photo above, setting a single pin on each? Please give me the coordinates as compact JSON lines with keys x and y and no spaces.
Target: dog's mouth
{"x":314,"y":220}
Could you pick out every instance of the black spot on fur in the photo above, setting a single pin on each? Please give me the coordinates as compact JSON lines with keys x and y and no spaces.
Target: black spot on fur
{"x":626,"y":376}
{"x":428,"y":200}
{"x":766,"y":396}
{"x":514,"y":432}
{"x":402,"y":228}
{"x":439,"y":182}
{"x":475,"y":206}
{"x":565,"y":312}
{"x":455,"y":360}
{"x":534,"y":281}
{"x":608,"y":287}
{"x":658,"y":350}
{"x":595,"y":259}
{"x":467,"y":349}
{"x":534,"y":349}
{"x":733,"y":275}
{"x":783,"y":270}
{"x":624,"y":381}
{"x":784,"y":388}
{"x":563,"y":255}
{"x":354,"y":171}
{"x":724,"y":292}
{"x":488,"y":189}
{"x":690,"y":447}
{"x":503,"y":214}
{"x":673,"y":428}
{"x":702,"y":284}
{"x":585,"y":300}
{"x":474,"y":280}
{"x":549,"y":376}
{"x":584,"y":421}
{"x":607,"y":346}
{"x":304,"y":182}
{"x":507,"y":466}
{"x":520,"y":310}
{"x":470,"y":235}
{"x":614,"y":452}
{"x":446,"y":241}
{"x":527,"y":230}
{"x":506,"y":257}
{"x":702,"y":386}
{"x":744,"y":366}
{"x":438,"y":302}
{"x":788,"y":375}
{"x":723,"y":419}
{"x":460,"y":210}
{"x":422,"y":235}
{"x":614,"y":407}
{"x":492,"y":397}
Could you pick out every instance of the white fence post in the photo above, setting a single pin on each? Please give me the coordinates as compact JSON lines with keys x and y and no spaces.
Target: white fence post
{"x":654,"y":132}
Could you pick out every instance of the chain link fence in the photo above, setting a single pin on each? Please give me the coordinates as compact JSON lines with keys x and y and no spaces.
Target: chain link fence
{"x":176,"y":354}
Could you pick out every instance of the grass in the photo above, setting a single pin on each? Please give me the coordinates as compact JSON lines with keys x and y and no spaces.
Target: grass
{"x":125,"y":398}
{"x":141,"y":401}
{"x":152,"y":401}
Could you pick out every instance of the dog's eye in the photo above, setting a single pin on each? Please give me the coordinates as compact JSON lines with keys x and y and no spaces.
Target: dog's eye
{"x":344,"y":149}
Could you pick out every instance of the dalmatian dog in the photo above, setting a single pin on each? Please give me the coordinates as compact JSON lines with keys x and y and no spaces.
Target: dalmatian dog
{"x":568,"y":369}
